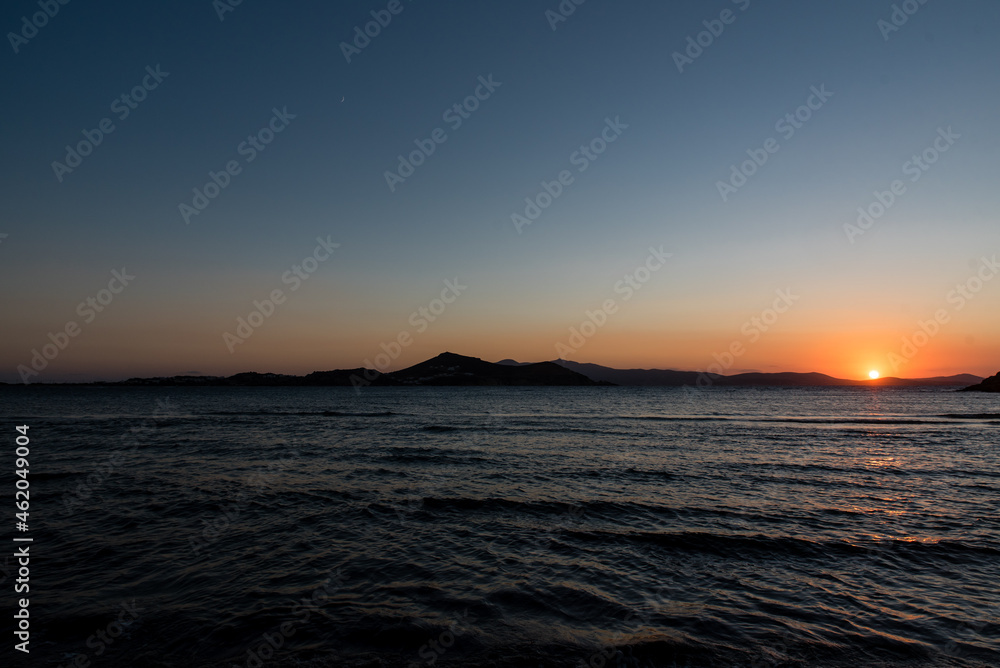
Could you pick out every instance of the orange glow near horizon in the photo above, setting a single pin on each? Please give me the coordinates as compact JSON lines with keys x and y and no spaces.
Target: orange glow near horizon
{"x":304,"y":344}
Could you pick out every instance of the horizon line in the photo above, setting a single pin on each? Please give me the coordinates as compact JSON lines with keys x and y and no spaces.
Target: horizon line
{"x":198,"y":374}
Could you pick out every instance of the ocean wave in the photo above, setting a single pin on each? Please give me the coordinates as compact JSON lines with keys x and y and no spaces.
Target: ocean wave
{"x":440,"y":428}
{"x":741,"y":545}
{"x":970,"y":416}
{"x":942,"y":420}
{"x":323,"y":413}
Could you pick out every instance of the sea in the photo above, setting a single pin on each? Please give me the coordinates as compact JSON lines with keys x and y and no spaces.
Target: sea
{"x":530,"y":527}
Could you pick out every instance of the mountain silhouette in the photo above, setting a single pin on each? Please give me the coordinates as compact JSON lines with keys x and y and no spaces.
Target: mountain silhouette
{"x":669,"y":378}
{"x":450,"y":369}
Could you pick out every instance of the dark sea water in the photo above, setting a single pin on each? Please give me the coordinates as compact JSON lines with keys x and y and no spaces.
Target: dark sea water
{"x":510,"y":527}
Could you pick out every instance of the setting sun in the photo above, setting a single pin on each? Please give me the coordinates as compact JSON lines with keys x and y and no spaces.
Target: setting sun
{"x":873,"y":374}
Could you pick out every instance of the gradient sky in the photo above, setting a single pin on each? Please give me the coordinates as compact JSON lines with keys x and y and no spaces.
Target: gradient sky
{"x":656,"y":185}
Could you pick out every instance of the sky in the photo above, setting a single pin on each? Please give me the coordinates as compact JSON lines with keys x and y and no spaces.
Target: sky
{"x":726,"y":186}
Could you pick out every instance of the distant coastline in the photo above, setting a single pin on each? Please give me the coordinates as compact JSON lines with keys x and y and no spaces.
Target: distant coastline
{"x":450,"y":369}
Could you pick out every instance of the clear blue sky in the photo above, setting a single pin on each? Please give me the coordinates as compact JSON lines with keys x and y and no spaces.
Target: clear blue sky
{"x":324,"y":174}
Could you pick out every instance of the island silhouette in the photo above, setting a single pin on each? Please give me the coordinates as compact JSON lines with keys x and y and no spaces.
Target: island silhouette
{"x":451,"y":369}
{"x":991,"y":384}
